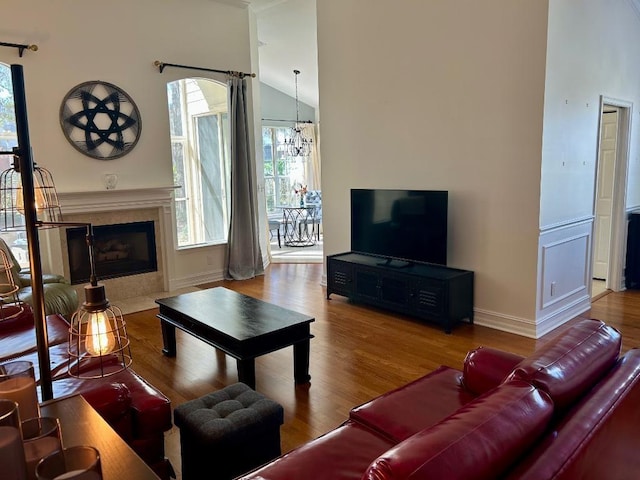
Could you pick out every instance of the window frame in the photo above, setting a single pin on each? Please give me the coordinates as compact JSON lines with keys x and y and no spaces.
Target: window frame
{"x":288,"y":171}
{"x":189,"y":198}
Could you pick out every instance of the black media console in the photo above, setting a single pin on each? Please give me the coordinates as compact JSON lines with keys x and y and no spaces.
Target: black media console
{"x":427,"y":291}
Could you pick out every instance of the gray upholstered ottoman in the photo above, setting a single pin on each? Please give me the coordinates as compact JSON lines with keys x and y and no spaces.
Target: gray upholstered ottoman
{"x":228,"y":432}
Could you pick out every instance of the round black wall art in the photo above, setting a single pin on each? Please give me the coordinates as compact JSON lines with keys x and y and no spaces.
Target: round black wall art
{"x":100,"y":120}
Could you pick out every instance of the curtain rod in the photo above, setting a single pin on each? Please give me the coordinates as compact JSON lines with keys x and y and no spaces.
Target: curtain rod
{"x":162,"y":65}
{"x":21,"y":47}
{"x":283,"y":120}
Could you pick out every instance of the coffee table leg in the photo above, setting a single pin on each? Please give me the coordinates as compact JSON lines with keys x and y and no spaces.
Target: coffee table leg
{"x":247,"y":371}
{"x":301,"y":361}
{"x":168,"y":338}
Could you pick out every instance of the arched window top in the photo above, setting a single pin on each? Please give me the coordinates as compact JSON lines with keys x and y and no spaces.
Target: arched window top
{"x":205,"y":95}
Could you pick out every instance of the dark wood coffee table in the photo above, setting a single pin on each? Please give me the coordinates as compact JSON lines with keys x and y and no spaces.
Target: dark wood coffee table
{"x":241,"y":326}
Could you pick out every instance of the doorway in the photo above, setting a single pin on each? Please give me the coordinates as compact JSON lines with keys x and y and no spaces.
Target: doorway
{"x":609,"y":225}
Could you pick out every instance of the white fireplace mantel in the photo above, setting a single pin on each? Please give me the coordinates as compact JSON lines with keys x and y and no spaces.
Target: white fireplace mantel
{"x":116,"y":199}
{"x":105,"y":207}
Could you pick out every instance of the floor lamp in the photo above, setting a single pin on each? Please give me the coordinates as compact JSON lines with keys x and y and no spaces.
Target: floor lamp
{"x":88,"y":337}
{"x":23,"y":156}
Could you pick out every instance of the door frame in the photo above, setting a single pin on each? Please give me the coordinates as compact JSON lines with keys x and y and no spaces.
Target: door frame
{"x":615,"y":275}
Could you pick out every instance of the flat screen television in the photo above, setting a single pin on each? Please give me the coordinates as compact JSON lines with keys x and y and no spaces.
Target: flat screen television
{"x":406,"y":225}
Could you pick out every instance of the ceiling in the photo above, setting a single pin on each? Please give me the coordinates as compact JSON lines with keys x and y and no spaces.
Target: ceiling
{"x":287,"y":39}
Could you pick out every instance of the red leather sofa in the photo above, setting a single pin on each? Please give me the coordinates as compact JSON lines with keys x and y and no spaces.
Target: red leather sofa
{"x":571,"y":410}
{"x":134,"y":408}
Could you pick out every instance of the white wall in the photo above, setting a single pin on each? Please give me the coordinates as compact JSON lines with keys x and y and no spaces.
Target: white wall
{"x":594,"y":47}
{"x":433,"y":95}
{"x":118,"y":42}
{"x":441,"y":95}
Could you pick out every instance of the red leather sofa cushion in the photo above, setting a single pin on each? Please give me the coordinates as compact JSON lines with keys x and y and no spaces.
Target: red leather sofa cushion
{"x":343,"y":453}
{"x":478,"y":442}
{"x":19,"y":338}
{"x":400,"y":413}
{"x":572,"y":363}
{"x":58,"y":361}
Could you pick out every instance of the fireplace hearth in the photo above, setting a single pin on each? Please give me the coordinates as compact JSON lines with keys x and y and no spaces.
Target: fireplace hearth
{"x":119,"y":250}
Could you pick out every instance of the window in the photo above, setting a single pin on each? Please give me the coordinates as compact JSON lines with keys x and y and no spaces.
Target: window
{"x":199,"y":127}
{"x":17,"y":241}
{"x":8,"y":136}
{"x":282,"y":173}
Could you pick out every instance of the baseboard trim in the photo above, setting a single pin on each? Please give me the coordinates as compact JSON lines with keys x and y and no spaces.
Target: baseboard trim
{"x":195,"y":280}
{"x":527,"y":327}
{"x":506,"y":323}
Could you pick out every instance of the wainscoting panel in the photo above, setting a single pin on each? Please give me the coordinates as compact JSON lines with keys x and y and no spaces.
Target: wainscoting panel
{"x":563,"y":274}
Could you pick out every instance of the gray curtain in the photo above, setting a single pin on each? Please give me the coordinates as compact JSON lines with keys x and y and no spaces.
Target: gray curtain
{"x":244,"y":258}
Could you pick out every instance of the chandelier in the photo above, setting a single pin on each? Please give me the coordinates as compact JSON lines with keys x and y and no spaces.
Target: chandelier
{"x":297,"y":145}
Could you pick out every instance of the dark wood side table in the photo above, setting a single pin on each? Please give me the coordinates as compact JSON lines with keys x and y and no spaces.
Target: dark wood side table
{"x":82,"y":425}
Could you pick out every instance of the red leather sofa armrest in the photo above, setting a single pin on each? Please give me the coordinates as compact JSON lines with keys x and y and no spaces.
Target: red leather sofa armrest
{"x":110,"y":399}
{"x":151,"y":408}
{"x":486,"y":368}
{"x":480,"y":441}
{"x":12,"y":318}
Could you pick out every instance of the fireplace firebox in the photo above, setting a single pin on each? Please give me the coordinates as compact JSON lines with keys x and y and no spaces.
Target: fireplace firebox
{"x":119,"y":250}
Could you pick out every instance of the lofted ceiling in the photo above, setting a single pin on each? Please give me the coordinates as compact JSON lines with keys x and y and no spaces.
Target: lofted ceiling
{"x":287,"y":39}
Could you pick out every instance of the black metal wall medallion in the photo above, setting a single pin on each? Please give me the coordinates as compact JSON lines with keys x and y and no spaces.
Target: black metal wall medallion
{"x":100,"y":120}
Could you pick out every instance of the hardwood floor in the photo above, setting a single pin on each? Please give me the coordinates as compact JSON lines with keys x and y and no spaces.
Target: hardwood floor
{"x":358,"y":352}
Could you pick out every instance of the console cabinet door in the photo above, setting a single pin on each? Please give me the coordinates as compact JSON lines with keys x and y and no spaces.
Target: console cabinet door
{"x":340,"y":278}
{"x":394,"y":292}
{"x":367,"y":284}
{"x":429,"y":298}
{"x":382,"y":288}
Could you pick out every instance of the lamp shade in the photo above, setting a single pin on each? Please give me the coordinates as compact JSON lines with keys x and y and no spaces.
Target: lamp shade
{"x":12,"y":206}
{"x":98,"y":341}
{"x":10,"y":304}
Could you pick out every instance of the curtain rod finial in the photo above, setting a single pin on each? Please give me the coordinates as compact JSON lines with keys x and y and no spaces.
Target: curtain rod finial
{"x":33,"y":48}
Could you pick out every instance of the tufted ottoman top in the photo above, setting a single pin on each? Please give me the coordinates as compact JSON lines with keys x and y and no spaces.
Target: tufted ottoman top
{"x":230,"y":414}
